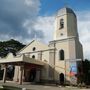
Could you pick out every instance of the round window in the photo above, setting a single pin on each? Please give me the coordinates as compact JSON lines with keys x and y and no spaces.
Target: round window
{"x":33,"y":56}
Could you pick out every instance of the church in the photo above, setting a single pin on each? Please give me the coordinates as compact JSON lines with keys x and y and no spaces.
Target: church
{"x":56,"y":62}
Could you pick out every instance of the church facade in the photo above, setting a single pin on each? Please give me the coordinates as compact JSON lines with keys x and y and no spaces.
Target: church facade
{"x":57,"y":62}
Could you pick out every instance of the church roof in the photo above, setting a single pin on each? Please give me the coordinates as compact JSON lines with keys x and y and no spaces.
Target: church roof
{"x":65,"y":10}
{"x":34,"y":43}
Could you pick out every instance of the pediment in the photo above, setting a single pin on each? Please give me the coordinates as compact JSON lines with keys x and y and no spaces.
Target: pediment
{"x":38,"y":46}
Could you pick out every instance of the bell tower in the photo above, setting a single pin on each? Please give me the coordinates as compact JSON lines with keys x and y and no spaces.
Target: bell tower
{"x":65,"y":24}
{"x":66,"y":44}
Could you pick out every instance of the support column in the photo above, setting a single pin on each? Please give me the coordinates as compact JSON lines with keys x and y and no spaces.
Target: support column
{"x":4,"y":74}
{"x":16,"y":74}
{"x":37,"y":75}
{"x":21,"y":74}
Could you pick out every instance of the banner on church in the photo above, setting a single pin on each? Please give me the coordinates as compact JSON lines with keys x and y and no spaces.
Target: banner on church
{"x":73,"y":68}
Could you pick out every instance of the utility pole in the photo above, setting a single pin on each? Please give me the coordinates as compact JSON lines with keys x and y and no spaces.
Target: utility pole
{"x":54,"y":56}
{"x":65,"y":71}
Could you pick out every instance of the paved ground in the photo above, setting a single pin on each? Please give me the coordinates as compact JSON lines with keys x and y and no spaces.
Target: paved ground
{"x":42,"y":87}
{"x":39,"y":87}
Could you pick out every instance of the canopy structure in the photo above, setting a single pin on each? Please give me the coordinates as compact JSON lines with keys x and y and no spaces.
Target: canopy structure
{"x":22,"y":61}
{"x":19,"y":58}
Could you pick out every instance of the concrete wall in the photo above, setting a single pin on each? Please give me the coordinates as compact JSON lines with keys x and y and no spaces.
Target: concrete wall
{"x":41,"y":53}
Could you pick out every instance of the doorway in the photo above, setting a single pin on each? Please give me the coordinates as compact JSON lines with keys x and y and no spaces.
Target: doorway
{"x":32,"y":75}
{"x":10,"y":72}
{"x":61,"y":78}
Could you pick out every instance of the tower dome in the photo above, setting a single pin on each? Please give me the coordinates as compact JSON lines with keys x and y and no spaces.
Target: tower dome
{"x":64,"y":11}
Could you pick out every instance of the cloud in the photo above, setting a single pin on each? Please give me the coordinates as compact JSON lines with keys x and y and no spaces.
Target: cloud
{"x":13,"y":16}
{"x":84,"y":31}
{"x":19,"y":20}
{"x":46,"y":24}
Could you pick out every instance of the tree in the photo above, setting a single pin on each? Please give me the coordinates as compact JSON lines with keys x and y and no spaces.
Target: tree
{"x":12,"y":46}
{"x":86,"y":71}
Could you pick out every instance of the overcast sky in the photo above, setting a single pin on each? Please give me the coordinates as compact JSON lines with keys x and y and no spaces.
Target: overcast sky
{"x":25,"y":20}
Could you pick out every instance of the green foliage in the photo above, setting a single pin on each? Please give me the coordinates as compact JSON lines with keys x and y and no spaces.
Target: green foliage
{"x":12,"y":46}
{"x":86,"y":70}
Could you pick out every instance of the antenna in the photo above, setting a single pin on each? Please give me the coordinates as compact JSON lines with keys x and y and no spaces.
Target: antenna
{"x":51,"y":3}
{"x":65,"y":3}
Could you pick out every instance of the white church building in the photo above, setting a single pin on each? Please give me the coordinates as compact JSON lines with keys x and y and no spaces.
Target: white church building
{"x":56,"y":62}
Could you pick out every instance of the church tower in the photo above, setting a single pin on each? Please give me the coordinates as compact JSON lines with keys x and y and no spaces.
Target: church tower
{"x":65,"y":24}
{"x":66,"y":44}
{"x":66,"y":35}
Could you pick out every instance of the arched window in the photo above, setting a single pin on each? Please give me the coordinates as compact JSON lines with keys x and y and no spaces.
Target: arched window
{"x":61,"y":77}
{"x":34,"y":49}
{"x":61,"y":54}
{"x":61,"y":23}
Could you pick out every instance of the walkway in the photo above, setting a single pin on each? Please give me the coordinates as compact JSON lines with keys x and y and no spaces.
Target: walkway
{"x":41,"y":87}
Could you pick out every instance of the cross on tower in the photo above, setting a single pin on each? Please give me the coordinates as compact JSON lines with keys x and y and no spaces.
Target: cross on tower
{"x":65,"y":3}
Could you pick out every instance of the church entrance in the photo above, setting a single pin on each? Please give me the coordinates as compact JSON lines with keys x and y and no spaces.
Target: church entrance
{"x":32,"y":75}
{"x":10,"y":72}
{"x":61,"y":78}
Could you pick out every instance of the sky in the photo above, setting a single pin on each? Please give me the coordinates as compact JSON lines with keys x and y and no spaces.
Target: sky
{"x":25,"y":20}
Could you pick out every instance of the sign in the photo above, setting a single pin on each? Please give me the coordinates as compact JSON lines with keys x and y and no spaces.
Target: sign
{"x":73,"y":72}
{"x":73,"y":68}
